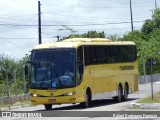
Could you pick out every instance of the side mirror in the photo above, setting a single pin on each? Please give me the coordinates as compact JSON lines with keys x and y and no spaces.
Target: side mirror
{"x":26,"y":67}
{"x":26,"y":70}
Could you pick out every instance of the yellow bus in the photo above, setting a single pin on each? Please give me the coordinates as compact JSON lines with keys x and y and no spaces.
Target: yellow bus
{"x":80,"y":70}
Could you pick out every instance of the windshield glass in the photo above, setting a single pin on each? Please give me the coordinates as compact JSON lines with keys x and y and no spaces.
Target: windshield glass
{"x":51,"y":69}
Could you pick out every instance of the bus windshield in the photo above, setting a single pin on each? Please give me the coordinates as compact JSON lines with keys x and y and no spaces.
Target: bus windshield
{"x":52,"y":69}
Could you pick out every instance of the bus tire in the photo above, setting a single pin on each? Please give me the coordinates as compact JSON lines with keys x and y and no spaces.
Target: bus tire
{"x":48,"y":106}
{"x":118,"y":98}
{"x":125,"y":95}
{"x":87,"y":100}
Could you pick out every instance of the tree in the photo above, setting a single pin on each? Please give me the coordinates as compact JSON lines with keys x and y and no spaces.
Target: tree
{"x":7,"y":62}
{"x":148,"y":27}
{"x":150,"y":48}
{"x":89,"y":34}
{"x":67,"y":28}
{"x":155,"y":35}
{"x":114,"y":37}
{"x":156,"y":17}
{"x":134,"y":36}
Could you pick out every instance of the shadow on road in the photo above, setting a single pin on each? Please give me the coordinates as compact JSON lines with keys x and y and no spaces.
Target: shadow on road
{"x":96,"y":103}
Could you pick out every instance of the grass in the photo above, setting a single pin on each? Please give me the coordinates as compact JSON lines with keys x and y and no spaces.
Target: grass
{"x":23,"y":103}
{"x":149,"y":100}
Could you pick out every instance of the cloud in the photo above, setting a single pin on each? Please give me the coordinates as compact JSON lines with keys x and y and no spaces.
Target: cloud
{"x":64,"y":12}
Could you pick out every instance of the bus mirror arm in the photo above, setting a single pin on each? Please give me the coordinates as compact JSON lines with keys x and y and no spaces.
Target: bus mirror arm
{"x":26,"y":67}
{"x":26,"y":70}
{"x":27,"y":62}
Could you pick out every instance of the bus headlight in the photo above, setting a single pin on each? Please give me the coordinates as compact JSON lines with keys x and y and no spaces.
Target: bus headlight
{"x":35,"y":95}
{"x":70,"y":93}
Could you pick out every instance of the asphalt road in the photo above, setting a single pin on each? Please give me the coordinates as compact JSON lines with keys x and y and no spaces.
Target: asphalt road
{"x":71,"y":110}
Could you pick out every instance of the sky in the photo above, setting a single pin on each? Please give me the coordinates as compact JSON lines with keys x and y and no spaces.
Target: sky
{"x":19,"y":20}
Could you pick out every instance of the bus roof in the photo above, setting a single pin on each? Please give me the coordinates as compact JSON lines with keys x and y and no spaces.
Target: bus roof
{"x":75,"y":42}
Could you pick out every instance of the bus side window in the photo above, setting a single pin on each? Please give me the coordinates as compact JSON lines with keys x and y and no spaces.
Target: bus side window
{"x":80,"y":65}
{"x":87,"y":55}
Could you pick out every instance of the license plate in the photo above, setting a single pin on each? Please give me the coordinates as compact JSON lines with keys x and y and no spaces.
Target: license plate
{"x":51,"y":100}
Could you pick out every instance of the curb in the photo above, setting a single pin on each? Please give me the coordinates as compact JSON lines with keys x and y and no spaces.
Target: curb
{"x":14,"y":107}
{"x":145,"y":106}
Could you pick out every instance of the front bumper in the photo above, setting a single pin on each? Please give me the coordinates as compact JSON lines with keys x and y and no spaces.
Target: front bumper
{"x":54,"y":100}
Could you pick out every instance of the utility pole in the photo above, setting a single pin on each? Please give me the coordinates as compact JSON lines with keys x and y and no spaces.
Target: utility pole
{"x":7,"y":83}
{"x":24,"y":80}
{"x":131,"y":15}
{"x":39,"y":23}
{"x":15,"y":82}
{"x":152,"y":10}
{"x":144,"y":69}
{"x":151,"y":62}
{"x":155,"y":4}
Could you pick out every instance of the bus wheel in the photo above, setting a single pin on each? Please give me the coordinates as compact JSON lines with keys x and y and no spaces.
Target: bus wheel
{"x":125,"y":95}
{"x":118,"y":98}
{"x":48,"y":106}
{"x":87,"y":101}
